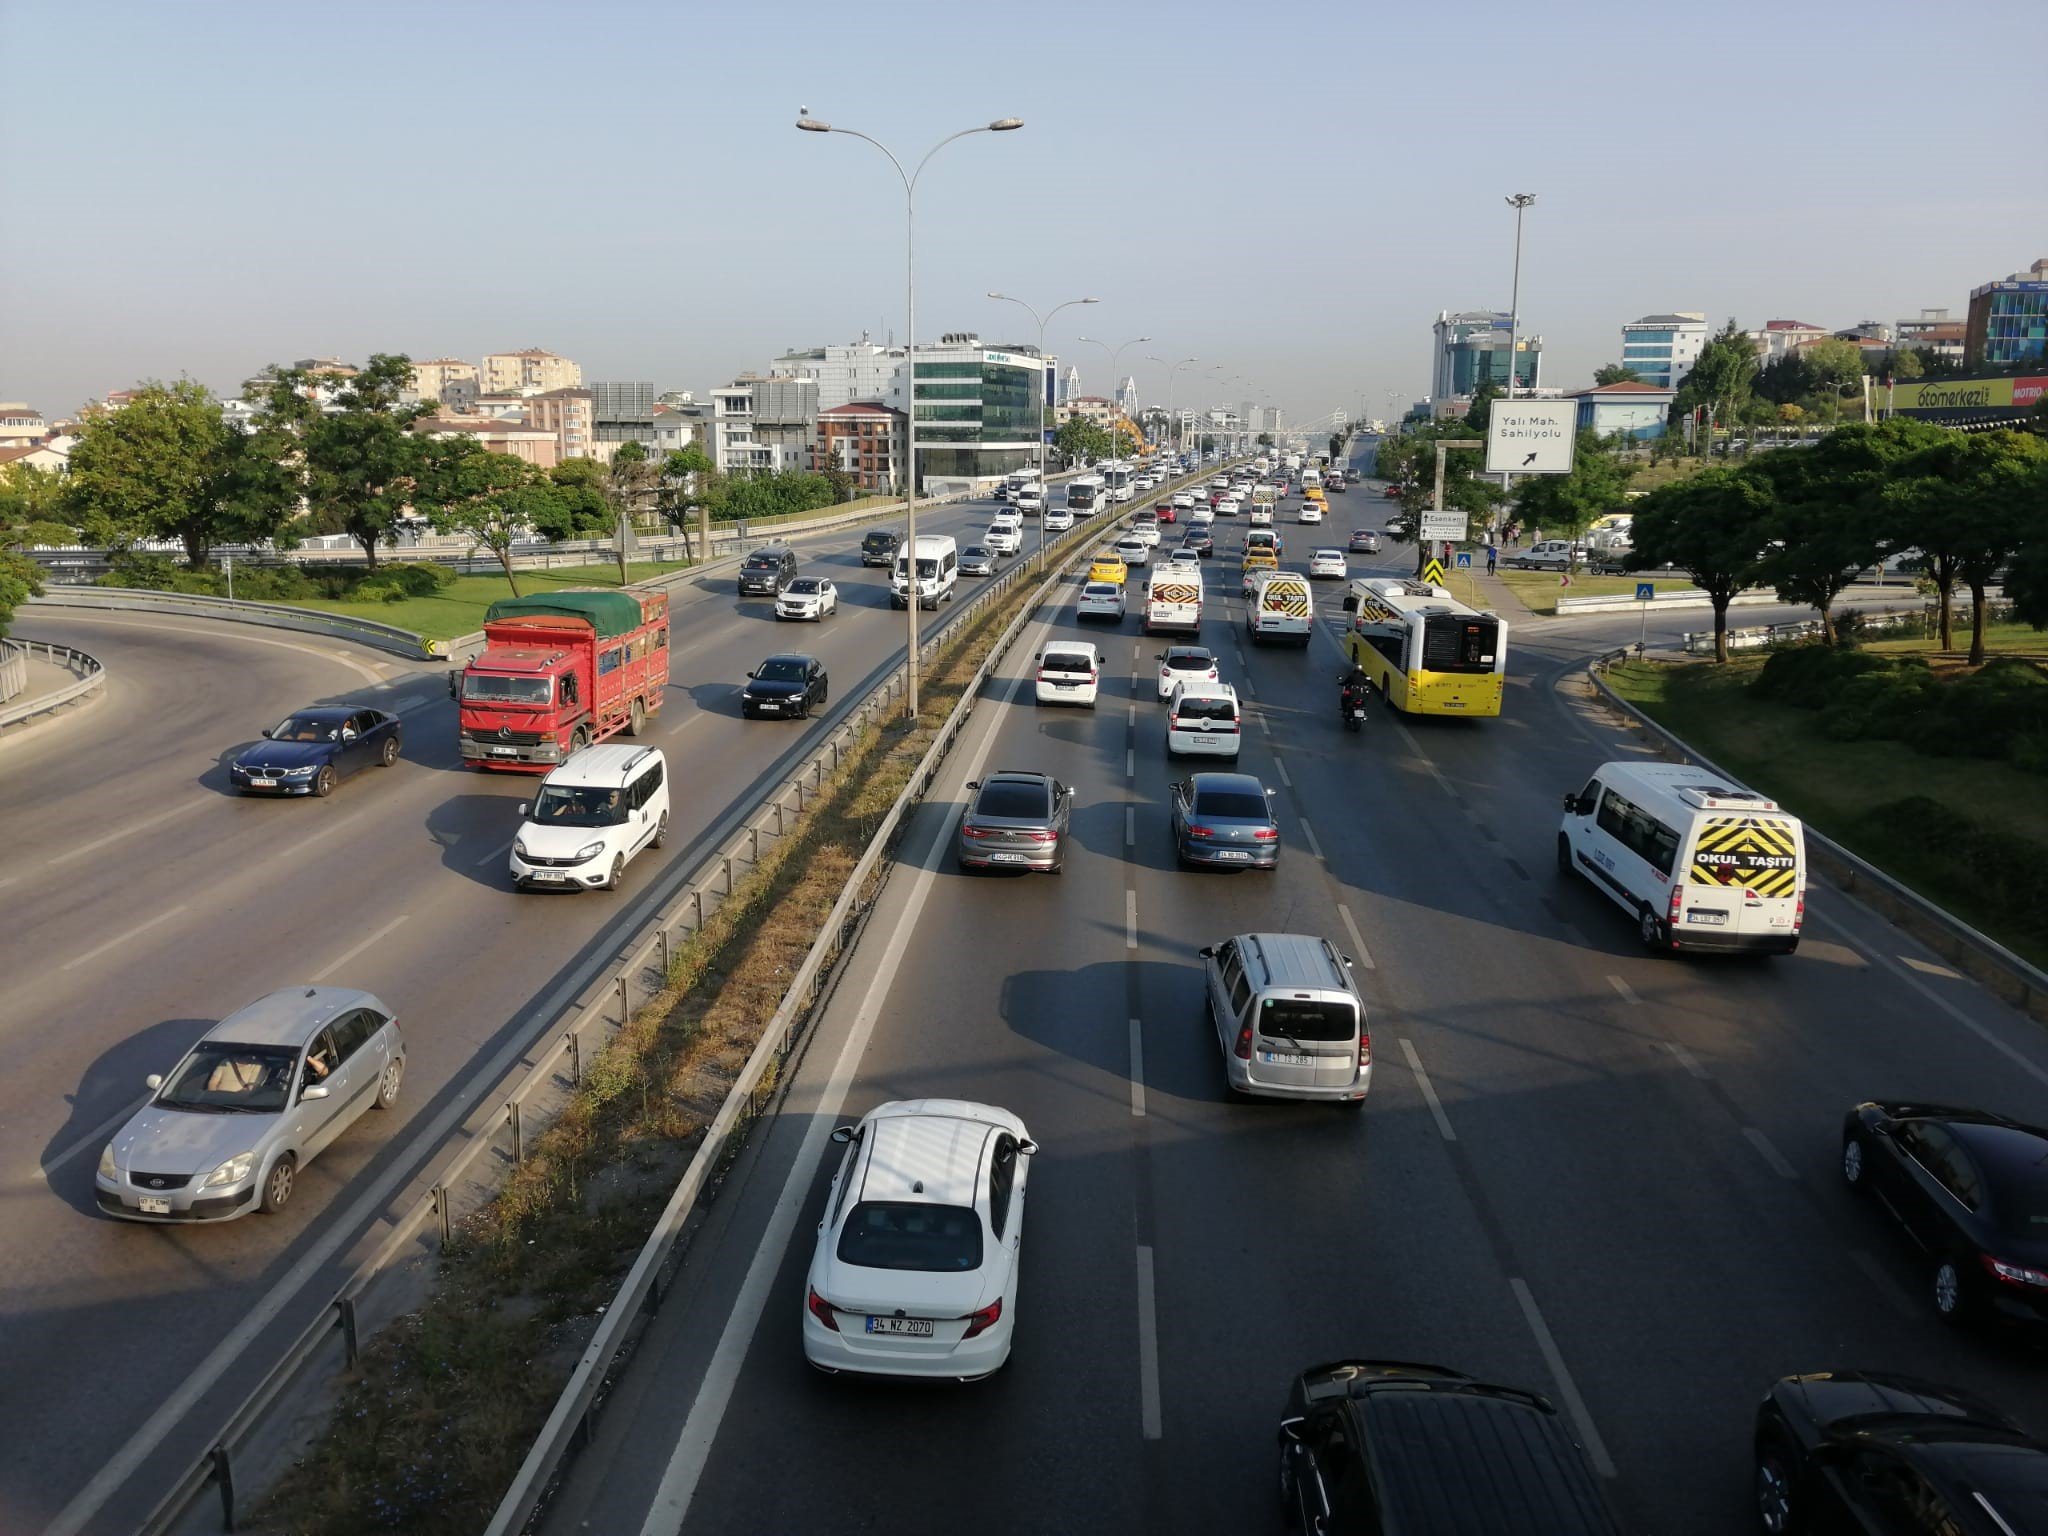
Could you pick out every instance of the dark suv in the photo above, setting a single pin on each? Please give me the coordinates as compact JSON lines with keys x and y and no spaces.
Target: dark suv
{"x":767,"y":571}
{"x":1381,"y":1445}
{"x":880,"y":546}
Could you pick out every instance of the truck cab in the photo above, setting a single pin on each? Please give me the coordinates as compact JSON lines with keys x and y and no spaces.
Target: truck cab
{"x":560,"y":672}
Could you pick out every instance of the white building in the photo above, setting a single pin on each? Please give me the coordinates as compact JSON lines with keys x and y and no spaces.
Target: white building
{"x":21,"y":425}
{"x":1662,"y":348}
{"x":858,"y":371}
{"x":735,"y":449}
{"x":1775,"y":338}
{"x":1127,"y":398}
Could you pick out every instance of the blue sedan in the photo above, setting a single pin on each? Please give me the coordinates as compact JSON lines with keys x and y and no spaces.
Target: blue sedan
{"x":1223,"y":820}
{"x":314,"y":749}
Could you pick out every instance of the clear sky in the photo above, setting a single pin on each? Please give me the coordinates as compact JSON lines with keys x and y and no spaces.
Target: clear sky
{"x":1290,"y":189}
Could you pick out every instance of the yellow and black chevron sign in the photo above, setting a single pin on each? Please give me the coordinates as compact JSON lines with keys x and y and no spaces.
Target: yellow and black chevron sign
{"x":1433,"y":573}
{"x":1754,"y":852}
{"x":1289,"y":601}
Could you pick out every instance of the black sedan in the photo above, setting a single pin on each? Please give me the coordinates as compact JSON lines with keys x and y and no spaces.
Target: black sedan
{"x":309,"y":752}
{"x":789,"y":686}
{"x":1200,"y":540}
{"x":1224,"y":821}
{"x":1971,"y":1190}
{"x":1858,"y":1450}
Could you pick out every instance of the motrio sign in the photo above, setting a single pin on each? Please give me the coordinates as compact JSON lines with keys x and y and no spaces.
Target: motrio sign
{"x":1965,"y":398}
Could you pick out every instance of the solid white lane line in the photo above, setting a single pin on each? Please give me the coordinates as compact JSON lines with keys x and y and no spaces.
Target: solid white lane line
{"x":1363,"y":955}
{"x":1130,"y":919}
{"x":1928,"y":968}
{"x":1130,"y":826}
{"x":1308,"y":836}
{"x":125,"y":833}
{"x":1769,"y":1153}
{"x":1628,"y":993}
{"x":1137,"y":1070}
{"x":1686,"y":1059}
{"x":1280,"y":767}
{"x":1130,"y":762}
{"x":1436,"y":1107}
{"x":139,"y":929}
{"x":1148,"y":1347}
{"x":343,"y":959}
{"x":497,"y":854}
{"x":97,"y":1137}
{"x":1567,"y":1389}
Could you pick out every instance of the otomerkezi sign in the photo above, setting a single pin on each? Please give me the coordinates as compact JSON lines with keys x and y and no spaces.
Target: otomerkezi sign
{"x":1531,"y":437}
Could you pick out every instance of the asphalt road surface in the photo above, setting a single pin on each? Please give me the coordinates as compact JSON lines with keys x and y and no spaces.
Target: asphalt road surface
{"x":145,"y":901}
{"x":1601,"y":1174}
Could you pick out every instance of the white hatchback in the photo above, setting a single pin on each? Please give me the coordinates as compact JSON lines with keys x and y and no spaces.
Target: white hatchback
{"x":1311,"y":512}
{"x":1101,"y":600}
{"x":915,"y":1270}
{"x":1201,"y":517}
{"x":1069,"y":672}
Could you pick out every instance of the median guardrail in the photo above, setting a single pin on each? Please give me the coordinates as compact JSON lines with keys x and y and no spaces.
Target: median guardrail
{"x":338,"y":626}
{"x":90,"y":681}
{"x":496,"y":1134}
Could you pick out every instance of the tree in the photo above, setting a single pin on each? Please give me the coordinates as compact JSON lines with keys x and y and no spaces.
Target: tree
{"x":1081,"y":440}
{"x":1713,"y":527}
{"x":1265,"y":439}
{"x":1786,"y":379}
{"x":32,"y":509}
{"x":357,"y":456}
{"x":1568,"y":503}
{"x":634,"y":476}
{"x":168,"y":465}
{"x":579,"y":508}
{"x":1983,"y":501}
{"x":1721,"y":378}
{"x":20,"y":579}
{"x":1923,"y":506}
{"x":1481,"y":409}
{"x":1835,"y":365}
{"x":1825,"y":522}
{"x":1616,"y":373}
{"x":1904,"y":365}
{"x":490,"y":498}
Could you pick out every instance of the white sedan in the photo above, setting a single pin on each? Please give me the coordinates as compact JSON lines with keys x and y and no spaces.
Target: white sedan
{"x":1136,"y":551}
{"x":807,"y":597}
{"x":1101,"y":600}
{"x":1056,"y":520}
{"x":1329,"y":562}
{"x":1183,"y":501}
{"x":1202,"y":517}
{"x":915,"y":1269}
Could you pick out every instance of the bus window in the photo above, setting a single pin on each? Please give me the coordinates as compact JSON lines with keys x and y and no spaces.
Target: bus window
{"x":1454,"y":644}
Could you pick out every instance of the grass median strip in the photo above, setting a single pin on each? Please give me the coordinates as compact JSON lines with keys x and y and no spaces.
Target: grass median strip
{"x":430,"y":1427}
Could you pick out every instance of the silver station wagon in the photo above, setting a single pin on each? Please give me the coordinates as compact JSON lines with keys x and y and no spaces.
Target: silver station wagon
{"x":262,"y":1093}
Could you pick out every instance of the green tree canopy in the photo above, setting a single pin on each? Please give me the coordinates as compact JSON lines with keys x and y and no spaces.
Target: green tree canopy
{"x":20,"y":579}
{"x":32,"y":507}
{"x":1721,"y":378}
{"x":1825,"y":521}
{"x":1714,"y":527}
{"x":1616,"y":373}
{"x":1565,"y":504}
{"x":493,"y":499}
{"x":1081,"y":440}
{"x":1481,"y":409}
{"x":579,"y":508}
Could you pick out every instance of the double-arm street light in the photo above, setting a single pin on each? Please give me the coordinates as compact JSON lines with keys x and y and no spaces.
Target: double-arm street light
{"x":811,"y":124}
{"x":1171,"y":370}
{"x":1044,"y":382}
{"x":1115,"y":354}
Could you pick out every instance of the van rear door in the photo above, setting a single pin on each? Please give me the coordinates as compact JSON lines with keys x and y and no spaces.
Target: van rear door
{"x":1743,"y":878}
{"x":1304,"y":1042}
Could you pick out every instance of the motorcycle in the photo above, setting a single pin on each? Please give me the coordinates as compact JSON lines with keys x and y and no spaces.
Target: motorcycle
{"x":1351,"y":705}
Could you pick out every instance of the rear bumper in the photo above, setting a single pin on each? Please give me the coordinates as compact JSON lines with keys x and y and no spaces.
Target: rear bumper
{"x":1708,"y":941}
{"x":853,"y":1354}
{"x":1242,"y":1080}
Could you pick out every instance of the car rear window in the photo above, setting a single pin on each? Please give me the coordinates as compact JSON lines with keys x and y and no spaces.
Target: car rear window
{"x":1301,"y":1019}
{"x":1101,"y":589}
{"x":1014,"y":800}
{"x":889,"y":1234}
{"x":1190,"y":661}
{"x":1237,"y":804}
{"x":1056,"y":661}
{"x":1205,"y":709}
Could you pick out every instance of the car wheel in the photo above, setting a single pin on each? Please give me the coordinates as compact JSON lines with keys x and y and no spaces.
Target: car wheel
{"x":277,"y":1187}
{"x":1853,"y":1154}
{"x":618,"y":872}
{"x":636,"y":718}
{"x":1651,"y":929}
{"x":661,"y":831}
{"x":1950,"y":1292}
{"x":1564,"y":855}
{"x":389,"y":755}
{"x":323,"y":782}
{"x":387,"y":1085}
{"x":1777,"y":1514}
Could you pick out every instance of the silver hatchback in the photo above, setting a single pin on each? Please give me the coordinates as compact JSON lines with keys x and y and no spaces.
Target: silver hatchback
{"x":262,"y":1093}
{"x":1017,"y":820}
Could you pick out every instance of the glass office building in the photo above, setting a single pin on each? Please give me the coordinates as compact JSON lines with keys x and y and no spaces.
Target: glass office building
{"x":1472,"y":347}
{"x":1662,"y":348}
{"x":2009,"y":319}
{"x":978,"y":410}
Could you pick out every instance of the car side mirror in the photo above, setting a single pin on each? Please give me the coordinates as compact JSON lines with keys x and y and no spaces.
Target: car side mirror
{"x":526,"y":807}
{"x":841,"y":1135}
{"x":1102,"y":661}
{"x":753,"y":674}
{"x":1271,"y":793}
{"x":1026,"y":1147}
{"x":1207,"y":951}
{"x":1291,"y":1429}
{"x":454,"y":685}
{"x":154,"y":1081}
{"x":1571,"y":800}
{"x":974,"y":783}
{"x":313,"y":1091}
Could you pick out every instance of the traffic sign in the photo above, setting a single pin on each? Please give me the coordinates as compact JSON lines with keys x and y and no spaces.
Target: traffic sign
{"x":1442,"y":525}
{"x":1531,"y":437}
{"x":1464,"y":559}
{"x":1645,"y":591}
{"x":1433,"y":573}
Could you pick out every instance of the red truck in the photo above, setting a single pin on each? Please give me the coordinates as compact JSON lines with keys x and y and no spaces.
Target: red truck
{"x":560,"y":671}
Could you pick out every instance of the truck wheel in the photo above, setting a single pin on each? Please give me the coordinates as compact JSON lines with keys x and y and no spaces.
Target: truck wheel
{"x":636,"y":719}
{"x":580,"y":739}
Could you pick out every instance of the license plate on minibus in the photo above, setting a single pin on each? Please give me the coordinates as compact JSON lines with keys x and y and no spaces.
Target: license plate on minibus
{"x":1708,"y":918}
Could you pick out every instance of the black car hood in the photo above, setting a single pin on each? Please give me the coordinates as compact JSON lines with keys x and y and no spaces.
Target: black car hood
{"x":287,"y":754}
{"x":1833,"y":1396}
{"x":769,"y":688}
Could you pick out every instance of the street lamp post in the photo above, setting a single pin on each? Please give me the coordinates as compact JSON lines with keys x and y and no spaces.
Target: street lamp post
{"x":1115,"y":356}
{"x":810,"y":124}
{"x":1043,"y":378}
{"x":1171,"y":370}
{"x":1520,"y":202}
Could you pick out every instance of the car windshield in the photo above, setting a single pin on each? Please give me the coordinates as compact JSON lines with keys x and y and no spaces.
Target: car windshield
{"x":976,"y":552}
{"x":889,"y":1234}
{"x":1020,"y":802}
{"x":1231,"y":805}
{"x":577,"y":805}
{"x":803,"y":586}
{"x":221,"y":1078}
{"x":307,"y":728}
{"x":1205,"y":709}
{"x":782,"y":669}
{"x":489,"y":688}
{"x":1297,"y":1019}
{"x":763,"y":562}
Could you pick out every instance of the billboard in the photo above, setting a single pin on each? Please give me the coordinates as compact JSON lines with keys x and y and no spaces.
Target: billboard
{"x":1965,"y":399}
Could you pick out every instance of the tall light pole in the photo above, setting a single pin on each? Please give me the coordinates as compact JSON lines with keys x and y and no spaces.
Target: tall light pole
{"x":1115,"y":355}
{"x":1520,"y":202}
{"x":1170,"y":372}
{"x":1043,"y":379}
{"x":811,"y":124}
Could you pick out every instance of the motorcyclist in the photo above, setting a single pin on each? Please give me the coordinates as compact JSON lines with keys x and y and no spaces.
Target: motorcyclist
{"x":1352,"y":687}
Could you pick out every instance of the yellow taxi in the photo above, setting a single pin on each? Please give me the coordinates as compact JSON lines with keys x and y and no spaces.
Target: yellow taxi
{"x":1315,"y":493}
{"x":1108,"y":566}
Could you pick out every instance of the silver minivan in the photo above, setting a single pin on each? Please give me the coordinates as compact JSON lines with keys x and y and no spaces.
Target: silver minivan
{"x":1288,"y":1020}
{"x":265,"y":1090}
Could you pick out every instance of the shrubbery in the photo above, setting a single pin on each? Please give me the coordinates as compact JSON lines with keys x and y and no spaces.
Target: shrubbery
{"x":390,"y":583}
{"x":2005,"y":871}
{"x":2000,"y":711}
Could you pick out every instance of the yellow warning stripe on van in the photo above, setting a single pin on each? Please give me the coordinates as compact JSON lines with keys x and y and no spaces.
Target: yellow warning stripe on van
{"x":1755,"y":852}
{"x":1288,"y":600}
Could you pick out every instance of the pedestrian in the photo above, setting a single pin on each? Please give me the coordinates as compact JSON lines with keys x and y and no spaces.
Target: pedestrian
{"x":1492,"y":558}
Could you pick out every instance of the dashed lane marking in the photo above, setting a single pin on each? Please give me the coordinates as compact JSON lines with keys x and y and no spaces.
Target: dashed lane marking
{"x":1769,"y":1153}
{"x":1148,"y":1347}
{"x":115,"y":943}
{"x":1686,"y":1059}
{"x":1364,"y":955}
{"x":347,"y":955}
{"x":1627,"y":992}
{"x":1130,"y":919}
{"x":1137,"y":1069}
{"x":1436,"y":1107}
{"x":1280,"y":767}
{"x":1308,"y":836}
{"x":1567,"y":1389}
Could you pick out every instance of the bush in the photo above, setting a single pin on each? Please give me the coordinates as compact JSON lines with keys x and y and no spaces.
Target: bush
{"x":416,"y":578}
{"x":1950,"y":852}
{"x":1808,"y":675}
{"x":1878,"y":704}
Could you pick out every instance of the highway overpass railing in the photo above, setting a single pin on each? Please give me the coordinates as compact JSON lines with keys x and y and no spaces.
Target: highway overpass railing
{"x":89,"y":680}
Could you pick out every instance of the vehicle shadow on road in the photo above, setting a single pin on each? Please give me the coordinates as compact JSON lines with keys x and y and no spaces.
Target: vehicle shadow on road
{"x":111,"y":1084}
{"x":475,"y":830}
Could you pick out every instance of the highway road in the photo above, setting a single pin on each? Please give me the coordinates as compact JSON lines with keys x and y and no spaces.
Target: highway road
{"x":1583,"y":1169}
{"x":145,"y":901}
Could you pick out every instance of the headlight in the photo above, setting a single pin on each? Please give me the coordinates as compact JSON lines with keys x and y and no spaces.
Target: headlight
{"x":107,"y":1168}
{"x":519,"y":849}
{"x":300,"y":773}
{"x":233,"y":1171}
{"x":589,"y":851}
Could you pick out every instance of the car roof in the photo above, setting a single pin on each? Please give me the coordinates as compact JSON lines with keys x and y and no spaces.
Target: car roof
{"x":603,"y":767}
{"x":929,"y":1150}
{"x":291,"y":1015}
{"x":1232,"y":783}
{"x":1203,"y":688}
{"x":2014,"y":1153}
{"x":1087,"y":647}
{"x":1296,"y":956}
{"x":787,"y":656}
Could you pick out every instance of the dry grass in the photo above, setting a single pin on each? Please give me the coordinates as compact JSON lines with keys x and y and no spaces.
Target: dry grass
{"x":435,"y":1420}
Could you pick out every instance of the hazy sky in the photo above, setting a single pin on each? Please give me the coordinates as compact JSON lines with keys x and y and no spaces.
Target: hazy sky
{"x":1290,"y":189}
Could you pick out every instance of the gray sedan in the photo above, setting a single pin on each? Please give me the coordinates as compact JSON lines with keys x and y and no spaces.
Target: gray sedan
{"x":262,"y":1093}
{"x":1223,"y":820}
{"x":1016,"y":820}
{"x":977,"y":560}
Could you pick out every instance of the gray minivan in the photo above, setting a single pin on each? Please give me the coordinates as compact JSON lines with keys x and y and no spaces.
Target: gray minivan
{"x":1288,"y":1020}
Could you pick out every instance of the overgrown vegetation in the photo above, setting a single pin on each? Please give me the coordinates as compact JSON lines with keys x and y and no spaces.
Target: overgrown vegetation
{"x":444,"y":1405}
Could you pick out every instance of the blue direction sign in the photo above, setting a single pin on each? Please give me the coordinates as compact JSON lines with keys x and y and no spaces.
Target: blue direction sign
{"x":1645,"y":591}
{"x":1464,"y":559}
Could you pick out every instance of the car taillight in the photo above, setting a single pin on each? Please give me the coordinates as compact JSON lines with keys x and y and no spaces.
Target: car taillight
{"x":1243,"y":1049}
{"x":821,"y":1309}
{"x":1671,"y":914}
{"x":1799,"y":913}
{"x":981,"y":1320}
{"x":1266,"y":834}
{"x":2012,"y":1274}
{"x":1201,"y":832}
{"x":1364,"y":1050}
{"x":969,"y":830}
{"x":1041,"y":836}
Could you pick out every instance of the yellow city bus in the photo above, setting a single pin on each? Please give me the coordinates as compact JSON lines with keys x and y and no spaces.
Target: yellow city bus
{"x":1426,"y":652}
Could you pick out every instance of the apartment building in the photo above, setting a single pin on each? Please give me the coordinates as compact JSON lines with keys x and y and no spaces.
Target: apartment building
{"x":531,"y":369}
{"x":863,"y":439}
{"x":570,"y":415}
{"x":450,"y":380}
